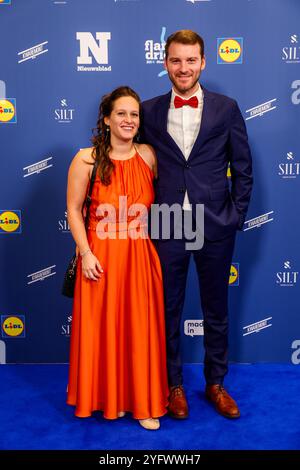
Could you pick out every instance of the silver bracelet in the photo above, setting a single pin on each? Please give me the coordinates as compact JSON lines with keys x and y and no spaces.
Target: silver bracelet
{"x":85,"y":252}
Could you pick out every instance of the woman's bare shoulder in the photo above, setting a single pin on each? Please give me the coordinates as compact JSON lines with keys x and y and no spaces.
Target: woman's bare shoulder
{"x":147,"y":152}
{"x":85,"y":155}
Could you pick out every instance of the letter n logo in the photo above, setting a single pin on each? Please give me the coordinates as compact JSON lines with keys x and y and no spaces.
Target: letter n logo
{"x":88,"y":44}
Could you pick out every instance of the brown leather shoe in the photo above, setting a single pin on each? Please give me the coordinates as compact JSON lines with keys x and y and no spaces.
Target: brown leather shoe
{"x":224,"y":404}
{"x":178,"y":407}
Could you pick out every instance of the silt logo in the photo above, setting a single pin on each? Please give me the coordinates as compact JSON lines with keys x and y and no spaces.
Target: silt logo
{"x":287,"y":277}
{"x":10,"y":221}
{"x":289,"y":169}
{"x":234,"y":276}
{"x":13,"y":326}
{"x":230,"y":51}
{"x":8,"y":111}
{"x":64,"y":114}
{"x":291,"y":53}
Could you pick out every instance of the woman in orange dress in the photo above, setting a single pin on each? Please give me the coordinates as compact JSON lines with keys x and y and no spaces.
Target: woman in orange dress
{"x":118,"y":351}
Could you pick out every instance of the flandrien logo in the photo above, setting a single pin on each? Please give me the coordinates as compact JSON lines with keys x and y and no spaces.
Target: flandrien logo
{"x":10,"y":221}
{"x":93,"y":49}
{"x":155,"y":51}
{"x":287,"y":277}
{"x":13,"y":326}
{"x":193,"y":328}
{"x":291,"y":53}
{"x":289,"y":169}
{"x":230,"y":50}
{"x":8,"y":111}
{"x":37,"y":167}
{"x":64,"y":114}
{"x":261,"y":109}
{"x":41,"y":275}
{"x":258,"y":221}
{"x":257,"y":326}
{"x":33,"y":52}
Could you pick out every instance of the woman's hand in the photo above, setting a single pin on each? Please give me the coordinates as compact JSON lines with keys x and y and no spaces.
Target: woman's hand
{"x":91,"y":267}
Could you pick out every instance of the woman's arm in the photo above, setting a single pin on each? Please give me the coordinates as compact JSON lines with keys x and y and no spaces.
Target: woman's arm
{"x":78,"y":180}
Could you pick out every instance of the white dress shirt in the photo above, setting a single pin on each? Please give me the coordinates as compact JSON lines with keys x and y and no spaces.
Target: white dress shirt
{"x":183,"y":126}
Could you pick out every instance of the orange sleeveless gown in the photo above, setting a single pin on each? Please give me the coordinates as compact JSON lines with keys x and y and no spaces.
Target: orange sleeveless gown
{"x":118,"y":349}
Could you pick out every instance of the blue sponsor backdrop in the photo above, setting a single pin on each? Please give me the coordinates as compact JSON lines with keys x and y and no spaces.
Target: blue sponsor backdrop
{"x":57,"y":59}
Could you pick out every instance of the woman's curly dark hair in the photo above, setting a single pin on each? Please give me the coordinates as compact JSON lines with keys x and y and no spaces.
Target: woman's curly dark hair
{"x":101,"y":138}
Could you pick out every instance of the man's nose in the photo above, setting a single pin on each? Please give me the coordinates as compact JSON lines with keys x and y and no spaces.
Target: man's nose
{"x":183,"y":67}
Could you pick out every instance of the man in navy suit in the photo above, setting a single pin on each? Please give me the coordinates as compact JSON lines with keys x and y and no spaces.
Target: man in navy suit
{"x":196,"y":134}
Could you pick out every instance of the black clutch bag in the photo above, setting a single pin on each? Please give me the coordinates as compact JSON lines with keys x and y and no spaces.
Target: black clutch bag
{"x":70,"y":277}
{"x":68,"y":286}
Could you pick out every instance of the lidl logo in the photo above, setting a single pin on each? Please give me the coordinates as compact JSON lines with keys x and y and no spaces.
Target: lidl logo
{"x":230,"y":51}
{"x":234,"y":274}
{"x":10,"y":221}
{"x":8,"y":111}
{"x":5,"y":2}
{"x":13,"y":326}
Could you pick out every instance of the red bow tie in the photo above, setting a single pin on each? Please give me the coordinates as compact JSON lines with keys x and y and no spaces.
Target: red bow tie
{"x":179,"y":102}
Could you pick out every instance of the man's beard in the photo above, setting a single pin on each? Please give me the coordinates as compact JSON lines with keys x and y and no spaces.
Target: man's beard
{"x":184,"y":90}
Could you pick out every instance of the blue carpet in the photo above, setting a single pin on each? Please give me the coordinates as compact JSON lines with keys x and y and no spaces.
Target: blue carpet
{"x":34,"y":414}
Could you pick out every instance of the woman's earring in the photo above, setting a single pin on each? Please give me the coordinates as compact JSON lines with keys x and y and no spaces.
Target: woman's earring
{"x":137,"y":136}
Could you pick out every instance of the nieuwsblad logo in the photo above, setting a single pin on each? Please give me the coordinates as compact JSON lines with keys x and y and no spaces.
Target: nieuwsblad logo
{"x":10,"y":221}
{"x":291,"y":53}
{"x":93,"y":50}
{"x":295,"y":97}
{"x":234,"y":276}
{"x":5,"y":2}
{"x":289,"y":169}
{"x":8,"y":111}
{"x":64,"y":114}
{"x":13,"y":326}
{"x":287,"y":277}
{"x":230,"y":50}
{"x":155,"y":51}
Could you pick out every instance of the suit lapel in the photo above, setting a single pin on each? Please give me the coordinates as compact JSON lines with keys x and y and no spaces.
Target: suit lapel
{"x":163,"y":106}
{"x":207,"y":121}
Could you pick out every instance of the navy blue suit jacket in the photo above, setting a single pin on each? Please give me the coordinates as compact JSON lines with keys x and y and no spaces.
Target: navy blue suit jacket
{"x":222,"y":139}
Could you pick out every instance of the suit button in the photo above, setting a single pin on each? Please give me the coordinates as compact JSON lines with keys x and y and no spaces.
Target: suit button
{"x":187,"y":166}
